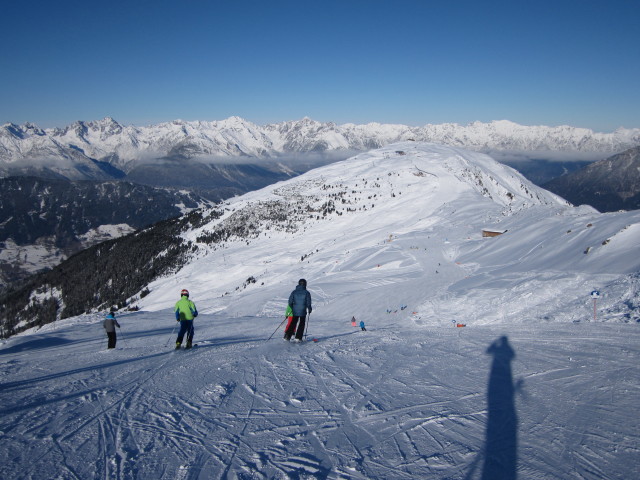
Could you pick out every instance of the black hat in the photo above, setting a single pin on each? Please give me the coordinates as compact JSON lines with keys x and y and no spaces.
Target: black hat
{"x":302,"y":282}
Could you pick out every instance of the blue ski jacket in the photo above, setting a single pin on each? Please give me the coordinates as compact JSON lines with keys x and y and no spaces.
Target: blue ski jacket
{"x":300,"y":301}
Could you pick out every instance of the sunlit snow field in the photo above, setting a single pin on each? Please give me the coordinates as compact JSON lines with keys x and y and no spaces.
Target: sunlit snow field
{"x":396,"y":401}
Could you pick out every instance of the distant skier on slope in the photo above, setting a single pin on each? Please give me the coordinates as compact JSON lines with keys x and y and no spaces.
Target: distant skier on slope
{"x":300,"y":303}
{"x":362,"y":326}
{"x":110,"y":323}
{"x":185,"y":311}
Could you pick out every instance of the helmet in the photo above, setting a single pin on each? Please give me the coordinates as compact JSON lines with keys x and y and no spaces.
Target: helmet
{"x":302,"y":282}
{"x":184,"y":292}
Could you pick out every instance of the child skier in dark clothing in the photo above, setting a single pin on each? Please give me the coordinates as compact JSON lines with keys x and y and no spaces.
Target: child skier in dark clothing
{"x":110,"y":323}
{"x":300,"y":303}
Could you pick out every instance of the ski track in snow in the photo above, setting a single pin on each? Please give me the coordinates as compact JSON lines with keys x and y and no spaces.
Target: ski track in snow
{"x":355,"y":405}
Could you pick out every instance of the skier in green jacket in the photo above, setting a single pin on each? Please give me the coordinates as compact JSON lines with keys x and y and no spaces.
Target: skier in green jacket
{"x":185,"y":311}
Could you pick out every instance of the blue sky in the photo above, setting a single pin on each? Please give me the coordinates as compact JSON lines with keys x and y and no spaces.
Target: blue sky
{"x":560,"y":62}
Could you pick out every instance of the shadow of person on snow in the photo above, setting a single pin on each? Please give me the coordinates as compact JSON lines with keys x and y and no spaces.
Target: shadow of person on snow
{"x":501,"y":443}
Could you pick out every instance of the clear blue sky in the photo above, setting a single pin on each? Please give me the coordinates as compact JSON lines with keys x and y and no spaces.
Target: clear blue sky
{"x":574,"y":62}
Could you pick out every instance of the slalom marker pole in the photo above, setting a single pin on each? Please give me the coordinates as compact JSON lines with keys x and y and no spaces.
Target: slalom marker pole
{"x":285,"y":319}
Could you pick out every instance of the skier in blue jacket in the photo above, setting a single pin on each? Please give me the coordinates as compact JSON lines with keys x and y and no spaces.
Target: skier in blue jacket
{"x":300,"y":303}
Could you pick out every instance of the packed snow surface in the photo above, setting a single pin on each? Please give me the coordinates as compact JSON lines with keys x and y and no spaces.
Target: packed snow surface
{"x":542,"y":382}
{"x":397,"y":401}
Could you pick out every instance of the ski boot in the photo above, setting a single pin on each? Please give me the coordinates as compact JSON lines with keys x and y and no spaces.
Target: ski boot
{"x":178,"y":345}
{"x":188,"y":344}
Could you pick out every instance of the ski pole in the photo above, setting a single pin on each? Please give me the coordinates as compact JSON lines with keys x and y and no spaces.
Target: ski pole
{"x":121,"y":335}
{"x":306,"y":328}
{"x":274,"y":332}
{"x":171,"y":335}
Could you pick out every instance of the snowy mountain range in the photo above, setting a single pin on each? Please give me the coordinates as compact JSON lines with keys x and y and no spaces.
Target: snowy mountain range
{"x":105,"y":149}
{"x":539,"y":381}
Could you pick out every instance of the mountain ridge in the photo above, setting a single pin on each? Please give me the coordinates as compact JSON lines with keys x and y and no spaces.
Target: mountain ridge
{"x":608,"y":185}
{"x":122,"y":147}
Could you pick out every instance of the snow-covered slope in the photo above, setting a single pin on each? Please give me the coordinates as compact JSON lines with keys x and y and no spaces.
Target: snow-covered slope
{"x":414,"y":211}
{"x":399,"y":401}
{"x":538,"y":384}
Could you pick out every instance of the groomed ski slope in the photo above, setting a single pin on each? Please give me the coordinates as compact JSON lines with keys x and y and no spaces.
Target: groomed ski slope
{"x":538,"y":385}
{"x":555,"y":401}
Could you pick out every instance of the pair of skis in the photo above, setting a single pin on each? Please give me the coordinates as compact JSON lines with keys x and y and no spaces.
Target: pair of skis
{"x":306,"y":328}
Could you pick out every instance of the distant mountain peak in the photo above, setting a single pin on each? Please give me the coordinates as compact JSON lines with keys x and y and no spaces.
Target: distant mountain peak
{"x":608,"y":185}
{"x":392,"y":187}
